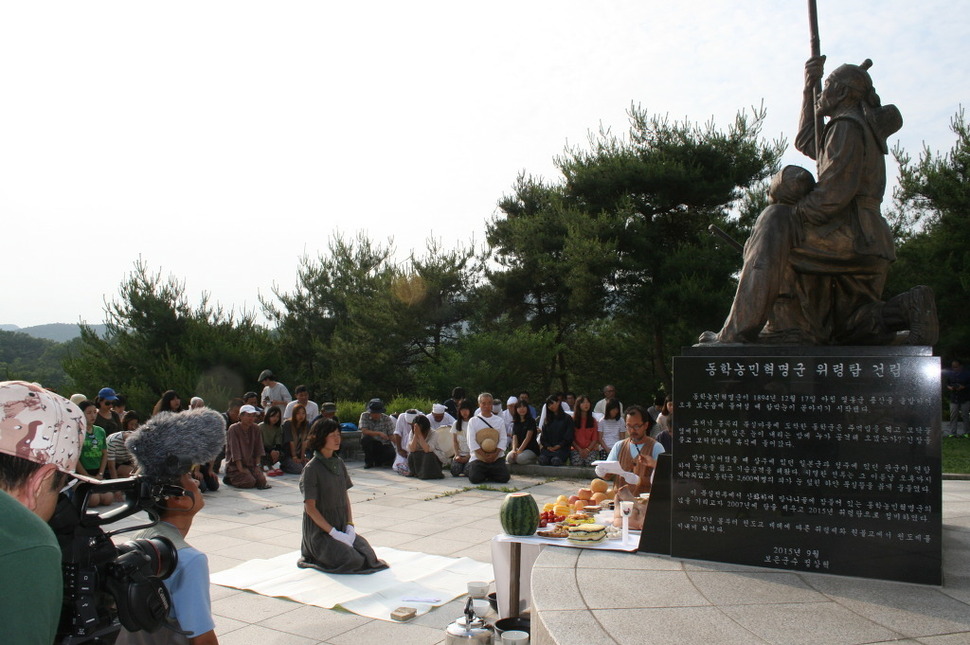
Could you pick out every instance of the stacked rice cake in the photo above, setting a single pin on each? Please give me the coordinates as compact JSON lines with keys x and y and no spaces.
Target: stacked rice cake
{"x":587,"y":533}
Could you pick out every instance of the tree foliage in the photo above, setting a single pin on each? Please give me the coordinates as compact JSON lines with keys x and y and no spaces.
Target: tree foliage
{"x":625,"y":234}
{"x":932,"y":216}
{"x":36,"y":360}
{"x":357,"y":325}
{"x":156,"y":341}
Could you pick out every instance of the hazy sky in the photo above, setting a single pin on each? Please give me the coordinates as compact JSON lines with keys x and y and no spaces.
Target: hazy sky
{"x":219,"y":141}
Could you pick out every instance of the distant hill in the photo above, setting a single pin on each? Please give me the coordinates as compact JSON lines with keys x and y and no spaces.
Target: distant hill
{"x":57,"y":332}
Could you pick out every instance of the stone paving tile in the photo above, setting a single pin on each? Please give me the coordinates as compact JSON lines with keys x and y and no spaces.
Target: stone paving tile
{"x":218,"y":592}
{"x":255,"y":551}
{"x":225,"y":625}
{"x":704,"y":565}
{"x":573,"y":627}
{"x":490,"y":525}
{"x":753,"y":588}
{"x":315,"y":623}
{"x":258,"y":635}
{"x":957,"y":587}
{"x":215,"y":525}
{"x":432,"y":544}
{"x":259,"y":533}
{"x":556,"y":589}
{"x":211,"y":543}
{"x":378,"y":631}
{"x":251,"y":607}
{"x":464,"y":534}
{"x":808,"y":624}
{"x":611,"y":589}
{"x":290,"y":540}
{"x":670,"y":626}
{"x":219,"y":563}
{"x":909,"y":610}
{"x":481,"y":552}
{"x":961,"y":638}
{"x":441,"y":617}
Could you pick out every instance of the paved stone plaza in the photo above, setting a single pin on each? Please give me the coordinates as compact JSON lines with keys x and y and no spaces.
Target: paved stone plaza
{"x":389,"y":510}
{"x":434,"y":517}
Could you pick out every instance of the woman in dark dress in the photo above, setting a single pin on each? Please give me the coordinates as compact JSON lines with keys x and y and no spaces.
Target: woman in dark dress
{"x":330,"y":542}
{"x":556,"y":436}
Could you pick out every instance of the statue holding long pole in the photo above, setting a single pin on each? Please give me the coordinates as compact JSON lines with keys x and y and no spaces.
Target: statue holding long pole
{"x":817,"y":259}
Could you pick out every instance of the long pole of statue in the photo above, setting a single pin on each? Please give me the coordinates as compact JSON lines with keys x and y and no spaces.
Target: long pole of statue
{"x":816,"y":52}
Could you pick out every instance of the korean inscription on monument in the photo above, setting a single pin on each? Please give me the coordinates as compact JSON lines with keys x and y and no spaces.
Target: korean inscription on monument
{"x":811,"y":464}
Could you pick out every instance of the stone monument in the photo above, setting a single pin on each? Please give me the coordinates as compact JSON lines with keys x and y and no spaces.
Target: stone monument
{"x":807,"y":430}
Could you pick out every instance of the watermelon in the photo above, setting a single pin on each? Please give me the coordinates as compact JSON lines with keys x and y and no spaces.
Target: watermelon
{"x":519,"y":514}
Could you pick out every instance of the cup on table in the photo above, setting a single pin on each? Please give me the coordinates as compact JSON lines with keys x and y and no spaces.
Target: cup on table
{"x":478,"y":589}
{"x":480,"y":607}
{"x":515,"y":637}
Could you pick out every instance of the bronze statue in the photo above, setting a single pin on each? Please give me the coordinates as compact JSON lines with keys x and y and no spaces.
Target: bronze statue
{"x":817,"y":259}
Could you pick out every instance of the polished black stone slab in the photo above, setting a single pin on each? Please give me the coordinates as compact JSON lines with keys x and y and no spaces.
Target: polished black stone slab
{"x":655,"y":536}
{"x":824,"y":460}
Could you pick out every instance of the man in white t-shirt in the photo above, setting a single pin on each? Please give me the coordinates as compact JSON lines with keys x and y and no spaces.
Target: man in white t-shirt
{"x":303,"y":397}
{"x":487,"y":441}
{"x":274,"y":392}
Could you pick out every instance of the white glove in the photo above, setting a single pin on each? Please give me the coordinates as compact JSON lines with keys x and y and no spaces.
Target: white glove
{"x":631,"y":478}
{"x":351,"y":532}
{"x":340,"y":536}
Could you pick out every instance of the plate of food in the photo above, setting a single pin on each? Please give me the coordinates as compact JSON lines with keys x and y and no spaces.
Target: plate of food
{"x":557,"y":532}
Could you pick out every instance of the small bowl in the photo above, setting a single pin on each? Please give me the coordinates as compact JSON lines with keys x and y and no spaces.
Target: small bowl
{"x":493,"y":601}
{"x":511,"y":624}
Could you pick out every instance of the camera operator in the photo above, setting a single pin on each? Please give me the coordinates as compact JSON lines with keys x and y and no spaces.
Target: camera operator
{"x":40,"y":439}
{"x":165,"y":449}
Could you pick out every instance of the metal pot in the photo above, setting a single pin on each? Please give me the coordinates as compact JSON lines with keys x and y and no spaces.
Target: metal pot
{"x":468,"y":629}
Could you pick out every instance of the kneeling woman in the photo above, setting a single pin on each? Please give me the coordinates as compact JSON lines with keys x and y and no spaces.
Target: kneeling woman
{"x":330,"y":542}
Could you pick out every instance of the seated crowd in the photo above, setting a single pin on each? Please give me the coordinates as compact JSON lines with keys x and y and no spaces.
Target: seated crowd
{"x":267,"y":434}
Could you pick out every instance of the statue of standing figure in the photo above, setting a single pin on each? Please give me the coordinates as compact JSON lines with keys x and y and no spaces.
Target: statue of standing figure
{"x":817,"y":259}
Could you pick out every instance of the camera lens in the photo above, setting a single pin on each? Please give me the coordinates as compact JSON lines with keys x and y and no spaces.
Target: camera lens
{"x":160,"y":555}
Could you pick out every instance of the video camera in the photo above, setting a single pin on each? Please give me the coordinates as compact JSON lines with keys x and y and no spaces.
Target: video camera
{"x":108,"y":587}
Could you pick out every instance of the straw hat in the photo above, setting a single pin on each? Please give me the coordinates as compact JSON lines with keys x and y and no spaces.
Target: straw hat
{"x":487,"y":438}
